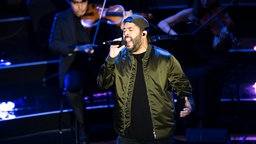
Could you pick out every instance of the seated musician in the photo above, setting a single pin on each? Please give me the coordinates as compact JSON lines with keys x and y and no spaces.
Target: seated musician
{"x":80,"y":58}
{"x":204,"y":59}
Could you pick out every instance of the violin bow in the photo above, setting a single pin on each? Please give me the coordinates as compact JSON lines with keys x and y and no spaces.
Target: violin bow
{"x":100,"y":17}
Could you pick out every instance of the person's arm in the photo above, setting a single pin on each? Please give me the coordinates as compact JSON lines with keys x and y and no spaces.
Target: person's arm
{"x":166,"y":24}
{"x":224,"y":35}
{"x":56,"y":43}
{"x":182,"y":86}
{"x":105,"y":78}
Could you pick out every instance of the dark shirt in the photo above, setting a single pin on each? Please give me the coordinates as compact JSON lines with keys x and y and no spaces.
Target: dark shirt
{"x":141,"y":124}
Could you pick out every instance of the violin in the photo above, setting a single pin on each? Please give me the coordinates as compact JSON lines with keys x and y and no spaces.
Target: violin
{"x":217,"y":20}
{"x":113,"y":15}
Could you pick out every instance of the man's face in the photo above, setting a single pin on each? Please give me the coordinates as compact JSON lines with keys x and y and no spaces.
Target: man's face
{"x":132,"y":35}
{"x":79,"y":7}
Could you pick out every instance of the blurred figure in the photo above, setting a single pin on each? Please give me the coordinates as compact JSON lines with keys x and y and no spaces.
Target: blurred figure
{"x":204,"y":57}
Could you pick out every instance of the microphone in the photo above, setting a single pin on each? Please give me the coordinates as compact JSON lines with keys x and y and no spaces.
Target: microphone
{"x":123,"y":42}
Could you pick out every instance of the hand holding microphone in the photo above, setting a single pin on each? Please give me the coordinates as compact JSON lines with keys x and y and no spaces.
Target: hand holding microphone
{"x":115,"y":46}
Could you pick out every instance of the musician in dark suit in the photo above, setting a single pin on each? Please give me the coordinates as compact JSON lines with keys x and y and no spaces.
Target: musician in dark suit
{"x":81,"y":54}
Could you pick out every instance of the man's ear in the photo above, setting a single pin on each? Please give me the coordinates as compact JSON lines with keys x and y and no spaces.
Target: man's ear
{"x":144,"y":33}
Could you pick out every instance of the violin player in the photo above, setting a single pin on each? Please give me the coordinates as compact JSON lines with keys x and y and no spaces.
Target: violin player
{"x":205,"y":59}
{"x":81,"y":53}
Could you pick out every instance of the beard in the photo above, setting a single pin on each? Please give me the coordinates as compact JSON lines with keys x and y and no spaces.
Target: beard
{"x":136,"y":44}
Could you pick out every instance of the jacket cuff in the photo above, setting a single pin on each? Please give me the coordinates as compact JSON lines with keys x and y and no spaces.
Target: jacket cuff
{"x":110,"y":60}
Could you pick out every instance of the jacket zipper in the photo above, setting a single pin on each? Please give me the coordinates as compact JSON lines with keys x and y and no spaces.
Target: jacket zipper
{"x":154,"y":133}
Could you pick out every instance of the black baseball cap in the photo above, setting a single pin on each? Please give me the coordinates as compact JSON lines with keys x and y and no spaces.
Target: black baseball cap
{"x":138,"y":20}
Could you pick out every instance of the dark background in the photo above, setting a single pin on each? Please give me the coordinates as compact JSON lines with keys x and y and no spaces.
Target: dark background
{"x":25,"y":24}
{"x":31,"y":79}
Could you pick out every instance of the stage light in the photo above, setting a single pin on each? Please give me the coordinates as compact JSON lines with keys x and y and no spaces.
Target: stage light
{"x":254,"y":87}
{"x":5,"y":62}
{"x":102,"y":94}
{"x":6,"y":109}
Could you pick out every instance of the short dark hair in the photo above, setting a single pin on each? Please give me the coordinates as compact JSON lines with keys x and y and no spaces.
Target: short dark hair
{"x":72,"y":0}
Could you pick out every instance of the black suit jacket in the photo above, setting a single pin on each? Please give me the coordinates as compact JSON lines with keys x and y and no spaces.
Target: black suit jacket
{"x":62,"y":38}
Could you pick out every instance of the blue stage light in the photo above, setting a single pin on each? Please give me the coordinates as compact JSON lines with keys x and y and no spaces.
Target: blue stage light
{"x":6,"y":110}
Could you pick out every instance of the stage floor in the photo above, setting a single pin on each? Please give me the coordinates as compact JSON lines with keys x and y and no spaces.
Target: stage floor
{"x":33,"y":88}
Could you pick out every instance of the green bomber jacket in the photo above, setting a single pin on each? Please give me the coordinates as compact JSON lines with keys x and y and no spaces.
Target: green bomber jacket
{"x":162,"y":73}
